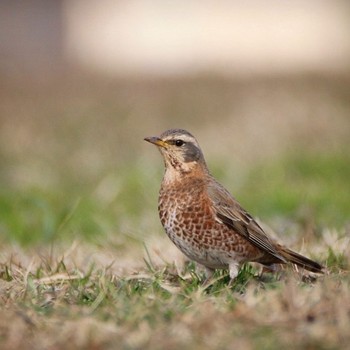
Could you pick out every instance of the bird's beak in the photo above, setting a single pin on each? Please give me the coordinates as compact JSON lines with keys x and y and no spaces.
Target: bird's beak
{"x":156,"y":141}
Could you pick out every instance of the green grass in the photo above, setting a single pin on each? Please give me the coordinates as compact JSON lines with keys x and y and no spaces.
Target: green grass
{"x":66,"y":288}
{"x":303,"y":188}
{"x":91,"y":210}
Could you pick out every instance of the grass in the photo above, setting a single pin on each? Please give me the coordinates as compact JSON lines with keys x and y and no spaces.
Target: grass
{"x":58,"y":302}
{"x":306,"y":189}
{"x":302,"y":184}
{"x":74,"y":285}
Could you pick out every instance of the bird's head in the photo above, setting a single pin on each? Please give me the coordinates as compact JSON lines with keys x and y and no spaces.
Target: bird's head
{"x":180,"y":151}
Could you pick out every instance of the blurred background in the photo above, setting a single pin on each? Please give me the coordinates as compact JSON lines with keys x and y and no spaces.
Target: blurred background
{"x":264,"y":86}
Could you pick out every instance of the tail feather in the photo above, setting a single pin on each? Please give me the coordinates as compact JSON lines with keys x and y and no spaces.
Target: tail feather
{"x":301,"y":260}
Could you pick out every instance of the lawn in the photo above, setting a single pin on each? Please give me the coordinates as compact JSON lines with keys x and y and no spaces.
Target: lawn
{"x":84,"y":262}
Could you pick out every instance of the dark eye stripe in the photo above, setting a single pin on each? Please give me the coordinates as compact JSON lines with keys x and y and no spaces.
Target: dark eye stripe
{"x":176,"y":142}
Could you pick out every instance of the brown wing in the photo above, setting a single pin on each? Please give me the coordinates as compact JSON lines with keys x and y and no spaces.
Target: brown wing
{"x":229,"y":212}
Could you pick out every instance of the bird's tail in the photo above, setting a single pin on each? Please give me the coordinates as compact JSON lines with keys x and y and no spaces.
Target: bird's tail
{"x":300,"y":260}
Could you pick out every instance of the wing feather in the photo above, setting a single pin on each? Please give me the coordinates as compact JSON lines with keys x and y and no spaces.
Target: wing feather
{"x":229,"y":212}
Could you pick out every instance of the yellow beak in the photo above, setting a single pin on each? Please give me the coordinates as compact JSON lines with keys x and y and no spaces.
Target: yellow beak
{"x":156,"y":141}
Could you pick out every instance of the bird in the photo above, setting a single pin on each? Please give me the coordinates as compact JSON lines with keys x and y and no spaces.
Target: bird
{"x":202,"y":218}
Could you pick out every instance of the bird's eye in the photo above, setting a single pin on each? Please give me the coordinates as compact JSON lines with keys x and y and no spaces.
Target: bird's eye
{"x":179,"y":143}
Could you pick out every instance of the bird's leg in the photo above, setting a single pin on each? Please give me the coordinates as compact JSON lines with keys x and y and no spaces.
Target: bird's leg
{"x":208,"y":272}
{"x":208,"y":275}
{"x":233,"y":269}
{"x":269,"y":268}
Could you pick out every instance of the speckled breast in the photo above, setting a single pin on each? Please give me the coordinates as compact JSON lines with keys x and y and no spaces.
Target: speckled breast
{"x":187,"y":217}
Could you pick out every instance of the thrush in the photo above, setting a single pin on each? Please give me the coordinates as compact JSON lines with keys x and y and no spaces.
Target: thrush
{"x":204,"y":220}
